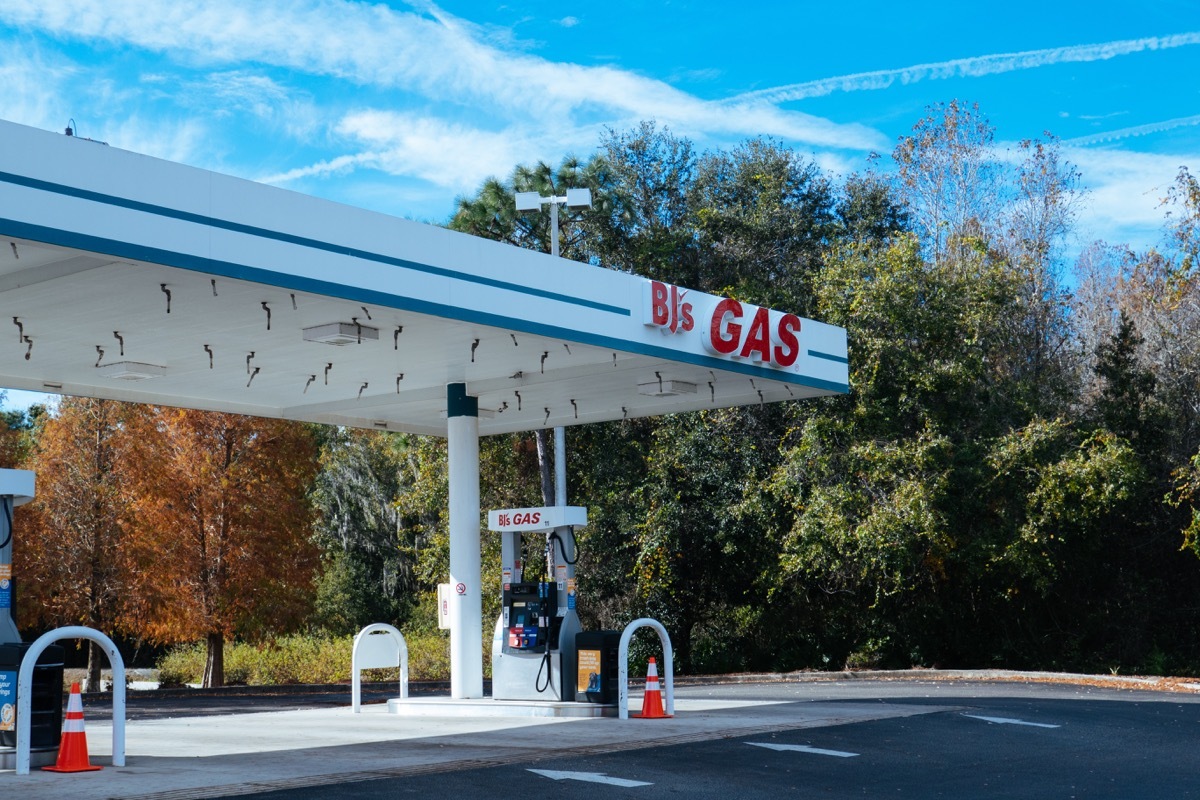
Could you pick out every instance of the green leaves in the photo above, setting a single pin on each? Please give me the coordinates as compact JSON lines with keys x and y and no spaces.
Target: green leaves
{"x":1186,"y":494}
{"x":1002,"y":454}
{"x":369,"y":561}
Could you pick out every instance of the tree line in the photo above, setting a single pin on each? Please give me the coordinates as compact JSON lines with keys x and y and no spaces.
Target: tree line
{"x":1013,"y":479}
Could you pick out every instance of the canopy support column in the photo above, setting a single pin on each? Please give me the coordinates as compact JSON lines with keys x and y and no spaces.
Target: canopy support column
{"x":466,"y":599}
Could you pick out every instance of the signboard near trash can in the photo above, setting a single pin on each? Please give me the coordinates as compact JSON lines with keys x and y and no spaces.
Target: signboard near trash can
{"x":46,"y":706}
{"x":8,"y":701}
{"x":597,"y":673}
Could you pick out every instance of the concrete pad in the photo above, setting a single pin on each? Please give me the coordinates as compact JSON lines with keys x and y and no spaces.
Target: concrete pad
{"x":487,"y":707}
{"x":213,"y":756}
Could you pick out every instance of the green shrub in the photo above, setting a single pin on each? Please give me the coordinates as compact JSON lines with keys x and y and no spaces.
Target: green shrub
{"x":181,"y":665}
{"x":305,"y":659}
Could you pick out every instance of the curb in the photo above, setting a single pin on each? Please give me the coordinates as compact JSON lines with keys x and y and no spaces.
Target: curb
{"x":1157,"y":683}
{"x":416,"y":687}
{"x":1153,"y":683}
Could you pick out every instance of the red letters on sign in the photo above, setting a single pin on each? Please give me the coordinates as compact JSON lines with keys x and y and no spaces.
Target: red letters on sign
{"x":734,"y":330}
{"x":788,"y":349}
{"x":758,"y":339}
{"x":667,"y":309}
{"x":724,"y":334}
{"x":660,"y":312}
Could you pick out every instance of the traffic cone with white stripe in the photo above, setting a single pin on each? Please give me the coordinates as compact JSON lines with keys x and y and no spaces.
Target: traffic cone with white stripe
{"x":72,"y":751}
{"x":652,"y":705}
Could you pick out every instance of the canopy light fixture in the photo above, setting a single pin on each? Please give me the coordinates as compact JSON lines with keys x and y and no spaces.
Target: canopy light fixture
{"x":341,"y":333}
{"x":666,"y":388}
{"x":131,"y":371}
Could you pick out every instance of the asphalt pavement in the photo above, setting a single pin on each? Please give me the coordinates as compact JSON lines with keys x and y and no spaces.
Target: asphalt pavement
{"x":860,"y":738}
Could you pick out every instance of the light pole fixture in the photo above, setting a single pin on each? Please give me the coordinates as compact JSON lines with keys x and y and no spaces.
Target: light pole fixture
{"x":532,"y":201}
{"x":574,"y":198}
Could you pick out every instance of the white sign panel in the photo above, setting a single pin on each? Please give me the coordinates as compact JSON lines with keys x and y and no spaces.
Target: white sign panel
{"x":546,"y":518}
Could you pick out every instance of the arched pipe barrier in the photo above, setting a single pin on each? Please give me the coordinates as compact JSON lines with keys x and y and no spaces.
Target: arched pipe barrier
{"x":668,"y":675}
{"x":374,"y":651}
{"x":25,"y":691}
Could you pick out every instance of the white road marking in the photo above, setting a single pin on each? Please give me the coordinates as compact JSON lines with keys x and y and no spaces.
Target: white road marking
{"x":802,"y":748}
{"x":589,"y":777}
{"x":1007,"y":721}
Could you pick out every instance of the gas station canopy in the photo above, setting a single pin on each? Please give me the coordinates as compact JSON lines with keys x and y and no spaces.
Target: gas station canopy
{"x":132,"y":278}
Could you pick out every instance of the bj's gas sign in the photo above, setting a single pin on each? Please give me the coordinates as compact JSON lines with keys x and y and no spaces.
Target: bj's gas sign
{"x":725,"y":327}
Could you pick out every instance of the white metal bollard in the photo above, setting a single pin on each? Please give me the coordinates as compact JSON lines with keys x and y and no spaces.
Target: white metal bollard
{"x":376,"y":646}
{"x":25,"y":690}
{"x":668,"y":665}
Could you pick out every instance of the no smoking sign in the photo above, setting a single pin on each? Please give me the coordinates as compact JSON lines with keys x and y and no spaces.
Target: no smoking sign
{"x":461,"y":588}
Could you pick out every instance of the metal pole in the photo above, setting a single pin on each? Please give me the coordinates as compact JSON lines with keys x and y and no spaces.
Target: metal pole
{"x":560,"y":436}
{"x":560,"y":466}
{"x":560,"y":433}
{"x":554,"y":226}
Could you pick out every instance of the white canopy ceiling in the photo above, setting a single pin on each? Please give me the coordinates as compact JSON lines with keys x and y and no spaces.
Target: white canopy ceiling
{"x":132,"y":278}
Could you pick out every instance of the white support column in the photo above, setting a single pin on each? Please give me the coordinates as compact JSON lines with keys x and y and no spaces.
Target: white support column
{"x":466,"y":599}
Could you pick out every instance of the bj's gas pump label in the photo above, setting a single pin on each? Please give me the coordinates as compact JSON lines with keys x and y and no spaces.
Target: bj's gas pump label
{"x":8,"y":701}
{"x":5,"y":585}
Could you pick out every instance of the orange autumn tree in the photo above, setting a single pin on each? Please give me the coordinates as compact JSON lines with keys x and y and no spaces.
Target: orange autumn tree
{"x":222,"y":528}
{"x":71,"y":555}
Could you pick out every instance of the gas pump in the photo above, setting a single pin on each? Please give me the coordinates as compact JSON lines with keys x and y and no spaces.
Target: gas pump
{"x":533,"y":647}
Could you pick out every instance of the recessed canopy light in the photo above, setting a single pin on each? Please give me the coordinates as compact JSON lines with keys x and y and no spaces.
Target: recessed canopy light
{"x":340,"y":333}
{"x":666,"y":388}
{"x":131,"y":371}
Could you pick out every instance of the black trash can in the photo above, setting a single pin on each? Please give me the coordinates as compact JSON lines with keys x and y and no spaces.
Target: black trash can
{"x":598,"y":672}
{"x":46,"y":702}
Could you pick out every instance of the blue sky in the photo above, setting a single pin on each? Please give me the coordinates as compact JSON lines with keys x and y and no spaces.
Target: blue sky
{"x":402,"y":107}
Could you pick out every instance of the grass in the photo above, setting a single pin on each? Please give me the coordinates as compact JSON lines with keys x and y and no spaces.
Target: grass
{"x":303,"y":659}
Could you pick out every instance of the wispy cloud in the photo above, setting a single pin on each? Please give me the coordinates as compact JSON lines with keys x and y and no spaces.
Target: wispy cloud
{"x":445,"y":153}
{"x":323,"y":169}
{"x":413,"y":92}
{"x":973,"y":67}
{"x":38,"y":91}
{"x":454,"y":155}
{"x":443,"y":99}
{"x":33,"y":85}
{"x":1134,"y":130}
{"x":429,"y":52}
{"x":1126,"y":189}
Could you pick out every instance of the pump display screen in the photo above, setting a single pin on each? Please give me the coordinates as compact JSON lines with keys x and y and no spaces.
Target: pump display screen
{"x":524,"y":614}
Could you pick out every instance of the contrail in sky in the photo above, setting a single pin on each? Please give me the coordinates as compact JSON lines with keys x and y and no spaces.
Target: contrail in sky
{"x":1136,"y":130}
{"x":973,"y":67}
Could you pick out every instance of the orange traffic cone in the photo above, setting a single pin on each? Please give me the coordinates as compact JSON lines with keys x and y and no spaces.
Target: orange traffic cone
{"x":652,"y":706}
{"x":72,"y":751}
